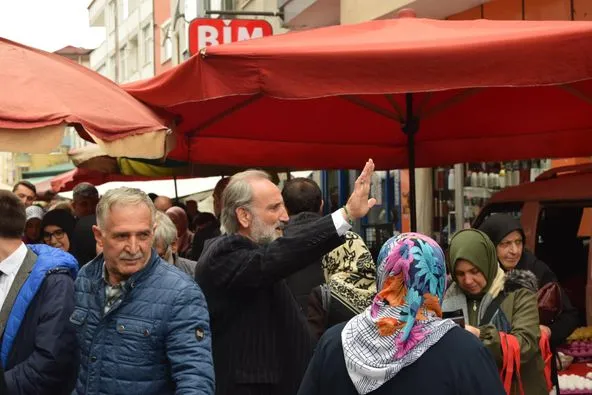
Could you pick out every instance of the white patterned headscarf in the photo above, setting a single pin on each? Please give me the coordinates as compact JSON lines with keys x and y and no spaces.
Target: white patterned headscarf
{"x":404,"y":320}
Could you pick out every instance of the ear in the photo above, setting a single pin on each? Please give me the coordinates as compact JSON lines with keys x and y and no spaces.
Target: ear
{"x":244,"y":217}
{"x":98,"y":236}
{"x":174,"y":247}
{"x":322,"y":206}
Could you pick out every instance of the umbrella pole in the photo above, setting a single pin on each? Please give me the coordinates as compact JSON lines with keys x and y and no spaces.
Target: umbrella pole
{"x":410,"y":128}
{"x":176,"y":192}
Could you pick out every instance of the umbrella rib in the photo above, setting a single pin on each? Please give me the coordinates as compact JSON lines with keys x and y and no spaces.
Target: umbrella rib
{"x":577,"y":93}
{"x":396,"y":107}
{"x":225,"y":113}
{"x":372,"y":107}
{"x":459,"y":97}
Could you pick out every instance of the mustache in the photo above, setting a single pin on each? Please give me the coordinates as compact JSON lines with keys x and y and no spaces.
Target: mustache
{"x":131,"y":257}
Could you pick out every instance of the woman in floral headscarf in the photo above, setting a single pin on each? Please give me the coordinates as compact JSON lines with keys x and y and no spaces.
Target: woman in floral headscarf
{"x":400,"y":344}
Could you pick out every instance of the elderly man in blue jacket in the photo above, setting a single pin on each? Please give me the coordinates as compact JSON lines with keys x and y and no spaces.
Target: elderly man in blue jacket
{"x":143,"y":325}
{"x":38,"y":348}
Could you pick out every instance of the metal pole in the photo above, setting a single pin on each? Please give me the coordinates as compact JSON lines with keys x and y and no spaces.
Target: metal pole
{"x":176,"y":192}
{"x":459,"y":200}
{"x":410,"y":128}
{"x":279,"y":14}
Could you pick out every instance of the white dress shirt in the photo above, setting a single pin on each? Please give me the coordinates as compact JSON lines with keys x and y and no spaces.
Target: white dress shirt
{"x":9,"y":268}
{"x":341,"y":225}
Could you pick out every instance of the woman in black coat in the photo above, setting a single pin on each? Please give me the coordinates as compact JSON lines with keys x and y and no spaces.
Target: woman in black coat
{"x":400,"y":344}
{"x":508,"y":236}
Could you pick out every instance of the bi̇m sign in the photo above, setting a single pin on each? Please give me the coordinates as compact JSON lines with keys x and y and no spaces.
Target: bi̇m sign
{"x":204,"y":32}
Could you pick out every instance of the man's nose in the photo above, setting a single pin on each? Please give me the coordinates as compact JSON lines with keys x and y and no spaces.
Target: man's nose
{"x":284,"y":215}
{"x":133,"y":244}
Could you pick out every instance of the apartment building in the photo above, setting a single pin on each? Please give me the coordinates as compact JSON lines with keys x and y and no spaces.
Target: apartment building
{"x":127,"y":53}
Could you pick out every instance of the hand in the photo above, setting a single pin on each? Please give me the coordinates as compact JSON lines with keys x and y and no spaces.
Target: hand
{"x":545,"y":329}
{"x":473,"y":330}
{"x":358,"y":203}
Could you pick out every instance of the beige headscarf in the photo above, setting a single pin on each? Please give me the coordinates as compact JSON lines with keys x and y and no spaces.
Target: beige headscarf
{"x":350,"y":273}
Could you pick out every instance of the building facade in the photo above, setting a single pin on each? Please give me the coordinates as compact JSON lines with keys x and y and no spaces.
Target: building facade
{"x":127,"y":53}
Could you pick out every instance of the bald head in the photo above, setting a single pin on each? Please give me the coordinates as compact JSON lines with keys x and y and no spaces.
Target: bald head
{"x":163,"y":203}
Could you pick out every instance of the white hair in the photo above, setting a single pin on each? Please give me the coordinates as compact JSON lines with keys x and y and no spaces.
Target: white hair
{"x":238,"y":193}
{"x":166,"y":231}
{"x":122,"y":196}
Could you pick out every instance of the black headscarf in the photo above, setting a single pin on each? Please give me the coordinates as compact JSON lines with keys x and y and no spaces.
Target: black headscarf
{"x":498,"y":226}
{"x":63,"y":219}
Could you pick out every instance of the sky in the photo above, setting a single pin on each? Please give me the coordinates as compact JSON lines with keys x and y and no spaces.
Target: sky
{"x":49,"y":24}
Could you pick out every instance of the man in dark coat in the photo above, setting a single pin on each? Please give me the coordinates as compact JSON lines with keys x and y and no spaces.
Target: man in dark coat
{"x":261,"y":343}
{"x":39,"y":348}
{"x":85,"y":199}
{"x":304,"y":203}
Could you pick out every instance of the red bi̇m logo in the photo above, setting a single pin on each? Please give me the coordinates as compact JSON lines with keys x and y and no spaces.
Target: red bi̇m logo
{"x":204,"y":32}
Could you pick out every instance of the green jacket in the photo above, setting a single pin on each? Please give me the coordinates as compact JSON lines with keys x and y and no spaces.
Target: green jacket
{"x":517,"y":315}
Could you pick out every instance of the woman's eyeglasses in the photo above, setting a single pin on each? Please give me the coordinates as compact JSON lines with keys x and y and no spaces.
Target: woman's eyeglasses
{"x":58,"y":234}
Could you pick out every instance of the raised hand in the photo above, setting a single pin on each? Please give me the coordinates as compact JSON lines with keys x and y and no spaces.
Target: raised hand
{"x":358,"y":203}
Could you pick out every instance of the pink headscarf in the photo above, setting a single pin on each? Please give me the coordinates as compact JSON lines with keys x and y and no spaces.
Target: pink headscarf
{"x":179,"y":218}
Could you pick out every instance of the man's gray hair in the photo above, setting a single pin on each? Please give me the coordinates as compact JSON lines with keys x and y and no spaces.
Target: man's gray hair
{"x":122,"y":196}
{"x":166,"y":231}
{"x":238,"y":193}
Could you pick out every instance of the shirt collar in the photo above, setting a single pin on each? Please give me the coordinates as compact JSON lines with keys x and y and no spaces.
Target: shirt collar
{"x":13,"y":262}
{"x":106,"y":278}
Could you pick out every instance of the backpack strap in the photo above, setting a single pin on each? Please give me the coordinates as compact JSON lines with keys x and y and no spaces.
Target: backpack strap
{"x":492,"y":308}
{"x":547,"y":355}
{"x":511,"y":362}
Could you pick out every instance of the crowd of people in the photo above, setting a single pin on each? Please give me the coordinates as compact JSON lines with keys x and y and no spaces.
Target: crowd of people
{"x":133,"y":293}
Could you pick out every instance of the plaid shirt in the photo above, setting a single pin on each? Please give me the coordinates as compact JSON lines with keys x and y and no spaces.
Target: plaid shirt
{"x":113,"y":293}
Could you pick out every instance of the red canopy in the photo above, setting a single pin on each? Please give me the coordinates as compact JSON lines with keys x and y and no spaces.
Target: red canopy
{"x":332,"y":97}
{"x":42,"y":92}
{"x":67,"y":181}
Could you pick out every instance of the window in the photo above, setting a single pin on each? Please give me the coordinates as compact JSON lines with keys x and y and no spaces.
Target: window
{"x":132,"y":55}
{"x":166,"y":47}
{"x":124,"y":10}
{"x":148,"y":44}
{"x":112,"y":66}
{"x":111,"y":16}
{"x":123,"y":64}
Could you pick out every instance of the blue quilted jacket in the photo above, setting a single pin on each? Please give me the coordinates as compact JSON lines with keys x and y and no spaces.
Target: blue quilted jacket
{"x":157,"y":340}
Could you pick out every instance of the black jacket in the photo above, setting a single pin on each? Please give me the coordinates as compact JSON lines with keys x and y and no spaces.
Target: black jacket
{"x":304,"y":280}
{"x":457,"y":364}
{"x":84,"y":245}
{"x":260,"y":340}
{"x":499,"y":226}
{"x":199,"y":238}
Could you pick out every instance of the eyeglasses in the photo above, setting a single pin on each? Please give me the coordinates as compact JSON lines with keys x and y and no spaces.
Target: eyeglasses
{"x":58,"y":234}
{"x":507,"y":244}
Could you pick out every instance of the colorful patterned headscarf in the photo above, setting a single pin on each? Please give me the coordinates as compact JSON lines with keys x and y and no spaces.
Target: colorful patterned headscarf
{"x":404,"y":320}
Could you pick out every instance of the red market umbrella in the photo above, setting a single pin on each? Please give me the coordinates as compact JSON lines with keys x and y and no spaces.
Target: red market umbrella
{"x":405,"y":92}
{"x":67,"y":181}
{"x":42,"y":92}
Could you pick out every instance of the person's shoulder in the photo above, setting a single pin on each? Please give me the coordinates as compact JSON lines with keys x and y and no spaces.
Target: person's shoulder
{"x":330,"y":341}
{"x":460,"y":346}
